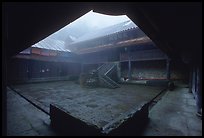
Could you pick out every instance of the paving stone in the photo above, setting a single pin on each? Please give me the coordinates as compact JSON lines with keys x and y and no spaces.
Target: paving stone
{"x":172,"y":115}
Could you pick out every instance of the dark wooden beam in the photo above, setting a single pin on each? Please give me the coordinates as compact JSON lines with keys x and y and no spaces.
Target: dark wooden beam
{"x":48,"y":58}
{"x":126,"y":43}
{"x":154,"y":54}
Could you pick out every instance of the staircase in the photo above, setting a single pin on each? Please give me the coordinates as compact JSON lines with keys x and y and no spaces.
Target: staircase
{"x":103,"y":72}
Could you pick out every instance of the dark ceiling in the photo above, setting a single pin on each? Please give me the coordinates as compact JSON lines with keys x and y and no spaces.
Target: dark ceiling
{"x":176,"y":28}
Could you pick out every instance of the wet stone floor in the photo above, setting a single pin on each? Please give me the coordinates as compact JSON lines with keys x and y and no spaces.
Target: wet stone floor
{"x":97,"y":106}
{"x":173,"y":115}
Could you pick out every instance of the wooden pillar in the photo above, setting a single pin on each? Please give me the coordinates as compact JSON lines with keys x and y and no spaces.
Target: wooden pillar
{"x":198,"y":89}
{"x":168,"y":73}
{"x":59,"y":71}
{"x":129,"y":69}
{"x":82,"y":68}
{"x":129,"y":66}
{"x":194,"y":81}
{"x":190,"y":79}
{"x":4,"y":89}
{"x":28,"y":70}
{"x":118,"y":65}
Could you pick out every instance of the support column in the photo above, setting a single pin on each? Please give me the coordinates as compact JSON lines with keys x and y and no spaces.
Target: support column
{"x":28,"y":69}
{"x":190,"y":79}
{"x":194,"y":81}
{"x":129,"y":66}
{"x":168,"y":73}
{"x":5,"y":67}
{"x":129,"y":69}
{"x":118,"y":71}
{"x":82,"y":68}
{"x":198,"y":90}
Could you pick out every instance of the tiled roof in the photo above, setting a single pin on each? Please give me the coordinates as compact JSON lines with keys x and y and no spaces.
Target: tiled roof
{"x":51,"y":44}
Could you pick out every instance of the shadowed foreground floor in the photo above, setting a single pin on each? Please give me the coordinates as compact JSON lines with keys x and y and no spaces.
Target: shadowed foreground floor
{"x":174,"y":114}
